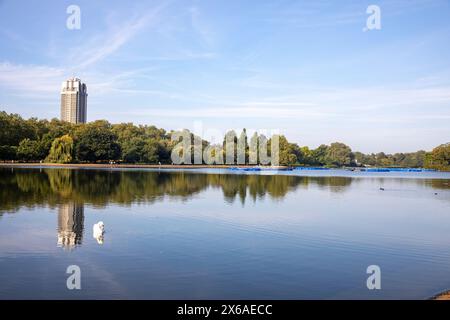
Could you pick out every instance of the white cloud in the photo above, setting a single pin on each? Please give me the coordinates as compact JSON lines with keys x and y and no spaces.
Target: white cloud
{"x":115,"y":39}
{"x":199,"y":26}
{"x":30,"y":78}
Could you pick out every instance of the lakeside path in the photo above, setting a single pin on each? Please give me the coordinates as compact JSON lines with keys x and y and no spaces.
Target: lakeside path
{"x":153,"y":166}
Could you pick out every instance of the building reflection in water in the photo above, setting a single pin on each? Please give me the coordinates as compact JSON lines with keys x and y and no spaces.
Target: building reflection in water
{"x":70,"y":225}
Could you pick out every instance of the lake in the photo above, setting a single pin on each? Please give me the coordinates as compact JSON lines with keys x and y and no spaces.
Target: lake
{"x":216,"y":234}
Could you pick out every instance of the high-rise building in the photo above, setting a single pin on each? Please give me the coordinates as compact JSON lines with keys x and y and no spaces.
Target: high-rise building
{"x":74,"y":101}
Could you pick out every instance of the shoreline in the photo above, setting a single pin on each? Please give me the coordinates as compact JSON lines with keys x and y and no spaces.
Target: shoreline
{"x":205,"y":166}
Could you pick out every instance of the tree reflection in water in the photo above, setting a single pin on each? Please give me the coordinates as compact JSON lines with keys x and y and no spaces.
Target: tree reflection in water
{"x":53,"y":187}
{"x":69,"y":190}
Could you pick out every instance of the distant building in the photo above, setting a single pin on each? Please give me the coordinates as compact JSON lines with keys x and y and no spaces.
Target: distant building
{"x":74,"y":101}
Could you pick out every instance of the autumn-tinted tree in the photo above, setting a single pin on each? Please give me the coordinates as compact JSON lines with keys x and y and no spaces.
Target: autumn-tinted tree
{"x":439,"y":158}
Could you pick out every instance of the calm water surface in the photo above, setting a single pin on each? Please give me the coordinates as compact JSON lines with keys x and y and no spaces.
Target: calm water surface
{"x":212,"y":234}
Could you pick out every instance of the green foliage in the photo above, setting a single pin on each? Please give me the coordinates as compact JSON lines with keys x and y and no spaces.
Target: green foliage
{"x":410,"y":160}
{"x":439,"y":158}
{"x":29,"y":150}
{"x":339,"y":154}
{"x":33,"y":140}
{"x":289,"y":153}
{"x":229,"y":146}
{"x":319,"y":155}
{"x":150,"y":151}
{"x":142,"y":144}
{"x":8,"y":152}
{"x":95,"y":141}
{"x":14,"y":129}
{"x":132,"y":149}
{"x":61,"y":150}
{"x":183,"y":137}
{"x":306,"y":156}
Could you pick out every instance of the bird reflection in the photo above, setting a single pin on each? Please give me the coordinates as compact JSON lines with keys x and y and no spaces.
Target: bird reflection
{"x":70,"y":225}
{"x":98,"y":231}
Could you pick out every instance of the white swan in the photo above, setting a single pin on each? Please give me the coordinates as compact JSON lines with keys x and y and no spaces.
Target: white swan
{"x":98,"y":231}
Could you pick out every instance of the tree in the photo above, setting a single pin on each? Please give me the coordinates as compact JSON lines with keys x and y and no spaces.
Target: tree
{"x":96,"y":142}
{"x":339,"y":154}
{"x":439,"y":158}
{"x":8,"y":152}
{"x":229,"y":147}
{"x":144,"y":144}
{"x":412,"y":159}
{"x":150,"y":151}
{"x":32,"y":140}
{"x":29,"y":150}
{"x":53,"y":129}
{"x":253,"y":149}
{"x":61,"y":150}
{"x":288,"y":152}
{"x":14,"y":129}
{"x":165,"y":150}
{"x":360,"y":158}
{"x":242,"y":148}
{"x":319,"y":155}
{"x":306,"y":155}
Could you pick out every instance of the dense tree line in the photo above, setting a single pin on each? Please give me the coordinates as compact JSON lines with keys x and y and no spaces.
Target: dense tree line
{"x":412,"y":159}
{"x":99,"y":141}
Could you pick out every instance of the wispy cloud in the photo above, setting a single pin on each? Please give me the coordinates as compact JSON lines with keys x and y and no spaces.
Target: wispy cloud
{"x":45,"y":79}
{"x":200,"y":28}
{"x":318,"y":14}
{"x":281,"y":62}
{"x":364,"y":104}
{"x":85,"y":58}
{"x":30,"y":78}
{"x":115,"y":39}
{"x":42,"y":81}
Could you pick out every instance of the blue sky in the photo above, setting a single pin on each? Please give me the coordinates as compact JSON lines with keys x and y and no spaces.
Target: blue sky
{"x":306,"y":68}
